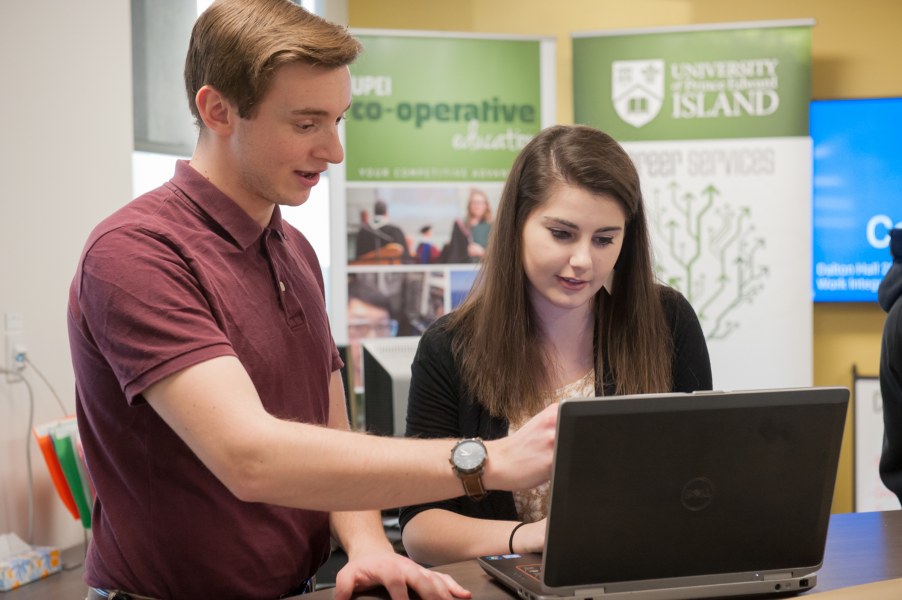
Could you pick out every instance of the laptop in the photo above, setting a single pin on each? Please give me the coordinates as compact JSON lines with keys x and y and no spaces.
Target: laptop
{"x":670,"y":496}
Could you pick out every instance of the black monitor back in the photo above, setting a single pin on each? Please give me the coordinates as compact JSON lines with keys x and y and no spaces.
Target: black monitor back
{"x":386,"y":383}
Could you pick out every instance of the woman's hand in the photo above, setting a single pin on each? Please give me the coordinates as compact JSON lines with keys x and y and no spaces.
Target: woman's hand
{"x":530,"y":538}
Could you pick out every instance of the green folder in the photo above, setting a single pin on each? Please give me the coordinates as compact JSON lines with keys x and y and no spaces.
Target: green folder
{"x":68,"y":457}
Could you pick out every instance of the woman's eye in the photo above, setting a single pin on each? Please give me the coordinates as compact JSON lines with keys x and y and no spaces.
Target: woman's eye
{"x":560,"y":234}
{"x":604,"y":241}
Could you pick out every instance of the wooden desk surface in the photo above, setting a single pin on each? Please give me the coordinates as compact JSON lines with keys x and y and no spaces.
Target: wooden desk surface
{"x":861,"y":548}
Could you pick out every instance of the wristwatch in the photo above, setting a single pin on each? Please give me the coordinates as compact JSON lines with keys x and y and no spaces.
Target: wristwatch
{"x":468,"y":460}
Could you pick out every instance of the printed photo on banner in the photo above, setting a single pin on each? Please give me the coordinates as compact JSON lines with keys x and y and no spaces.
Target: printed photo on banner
{"x":391,"y":303}
{"x":460,"y":282}
{"x":403,"y":225}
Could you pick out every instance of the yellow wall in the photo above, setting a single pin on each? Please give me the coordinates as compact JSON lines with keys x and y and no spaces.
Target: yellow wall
{"x":856,"y":47}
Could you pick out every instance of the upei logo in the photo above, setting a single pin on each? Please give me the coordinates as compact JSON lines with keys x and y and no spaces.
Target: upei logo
{"x":637,"y":89}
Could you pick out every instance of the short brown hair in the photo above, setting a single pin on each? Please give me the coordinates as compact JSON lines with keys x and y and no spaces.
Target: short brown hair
{"x":237,"y":45}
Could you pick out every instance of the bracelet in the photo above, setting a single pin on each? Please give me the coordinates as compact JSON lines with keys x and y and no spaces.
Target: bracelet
{"x":510,"y":543}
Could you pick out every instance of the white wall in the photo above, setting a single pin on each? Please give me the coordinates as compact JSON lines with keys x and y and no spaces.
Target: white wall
{"x":65,"y":162}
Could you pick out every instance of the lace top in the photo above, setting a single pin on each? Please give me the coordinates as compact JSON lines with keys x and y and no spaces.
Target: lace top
{"x":532,"y":504}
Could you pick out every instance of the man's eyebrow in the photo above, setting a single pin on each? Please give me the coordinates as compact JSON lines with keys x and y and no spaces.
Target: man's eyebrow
{"x":316,"y":112}
{"x":566,"y":223}
{"x":309,"y":111}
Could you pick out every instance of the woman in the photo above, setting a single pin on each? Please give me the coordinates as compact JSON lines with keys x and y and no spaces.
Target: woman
{"x":479,"y":224}
{"x":470,"y":235}
{"x":566,"y":304}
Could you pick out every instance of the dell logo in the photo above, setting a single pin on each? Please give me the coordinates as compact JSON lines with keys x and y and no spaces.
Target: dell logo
{"x":697,"y":494}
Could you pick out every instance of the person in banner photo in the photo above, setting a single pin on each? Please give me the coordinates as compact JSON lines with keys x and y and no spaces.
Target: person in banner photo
{"x":479,"y":223}
{"x":889,"y":294}
{"x":369,"y":317}
{"x":470,"y":235}
{"x":209,"y":396}
{"x":566,"y":304}
{"x":373,"y":239}
{"x":427,"y":252}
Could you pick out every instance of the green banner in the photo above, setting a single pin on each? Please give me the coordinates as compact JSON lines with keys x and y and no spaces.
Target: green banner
{"x":703,"y":84}
{"x":441,"y":109}
{"x":715,"y":118}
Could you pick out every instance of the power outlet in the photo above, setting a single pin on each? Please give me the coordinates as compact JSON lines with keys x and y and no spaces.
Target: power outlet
{"x":14,"y":339}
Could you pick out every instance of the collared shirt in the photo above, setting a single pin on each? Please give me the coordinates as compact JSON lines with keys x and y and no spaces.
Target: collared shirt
{"x":176,"y":277}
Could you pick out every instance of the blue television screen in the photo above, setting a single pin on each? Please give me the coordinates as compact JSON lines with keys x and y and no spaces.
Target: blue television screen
{"x":857,"y":196}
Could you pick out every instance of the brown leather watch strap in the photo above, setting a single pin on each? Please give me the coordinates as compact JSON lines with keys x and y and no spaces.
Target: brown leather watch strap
{"x":472,"y":483}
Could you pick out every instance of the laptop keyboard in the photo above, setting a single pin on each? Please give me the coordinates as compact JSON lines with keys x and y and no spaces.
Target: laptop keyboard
{"x":532,"y":571}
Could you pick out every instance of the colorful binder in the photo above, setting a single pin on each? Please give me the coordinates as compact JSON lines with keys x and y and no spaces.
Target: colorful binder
{"x":61,"y":447}
{"x":45,"y":443}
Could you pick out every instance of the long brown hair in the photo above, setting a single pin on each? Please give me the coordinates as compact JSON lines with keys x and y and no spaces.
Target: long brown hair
{"x":237,"y":45}
{"x":496,"y":335}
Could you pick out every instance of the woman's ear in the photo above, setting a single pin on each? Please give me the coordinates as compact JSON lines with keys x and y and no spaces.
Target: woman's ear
{"x":215,"y":110}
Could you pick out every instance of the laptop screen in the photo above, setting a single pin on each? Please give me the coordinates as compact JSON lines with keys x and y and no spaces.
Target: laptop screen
{"x":692,"y":485}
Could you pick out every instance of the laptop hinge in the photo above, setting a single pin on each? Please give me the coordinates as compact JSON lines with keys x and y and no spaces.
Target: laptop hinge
{"x":596,"y":591}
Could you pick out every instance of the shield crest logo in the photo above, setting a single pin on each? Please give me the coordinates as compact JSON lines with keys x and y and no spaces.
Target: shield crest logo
{"x":637,"y":89}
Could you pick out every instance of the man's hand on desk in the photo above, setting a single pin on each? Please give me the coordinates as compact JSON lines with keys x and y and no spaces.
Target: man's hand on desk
{"x":396,"y":573}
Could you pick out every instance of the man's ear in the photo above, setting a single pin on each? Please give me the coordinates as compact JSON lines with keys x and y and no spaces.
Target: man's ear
{"x":215,"y":110}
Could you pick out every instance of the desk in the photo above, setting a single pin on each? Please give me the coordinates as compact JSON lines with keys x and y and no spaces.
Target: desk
{"x":861,"y":548}
{"x":66,"y":585}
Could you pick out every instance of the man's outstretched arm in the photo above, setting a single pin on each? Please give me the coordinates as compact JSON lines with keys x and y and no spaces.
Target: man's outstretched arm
{"x":216,"y":411}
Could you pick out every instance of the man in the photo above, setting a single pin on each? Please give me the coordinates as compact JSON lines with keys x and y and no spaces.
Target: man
{"x":369,"y":316}
{"x":382,"y":232}
{"x":889,"y":294}
{"x":208,"y":392}
{"x":427,"y":252}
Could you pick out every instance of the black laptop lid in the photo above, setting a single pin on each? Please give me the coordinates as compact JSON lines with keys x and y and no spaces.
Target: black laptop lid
{"x":680,"y":485}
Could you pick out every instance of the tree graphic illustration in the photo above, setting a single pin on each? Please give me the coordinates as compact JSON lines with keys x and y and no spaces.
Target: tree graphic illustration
{"x":708,"y":249}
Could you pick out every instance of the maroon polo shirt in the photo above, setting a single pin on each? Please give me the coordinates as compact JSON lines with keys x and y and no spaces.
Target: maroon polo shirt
{"x":176,"y":277}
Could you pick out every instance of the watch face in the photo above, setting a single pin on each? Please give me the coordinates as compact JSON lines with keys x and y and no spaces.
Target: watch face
{"x":469,"y":455}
